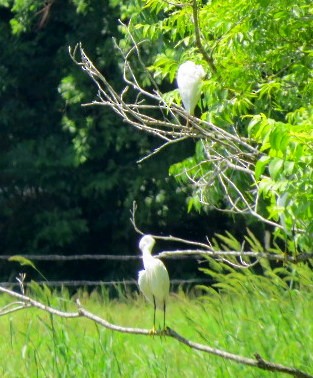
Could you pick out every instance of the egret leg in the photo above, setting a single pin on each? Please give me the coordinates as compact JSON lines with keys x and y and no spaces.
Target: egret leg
{"x":164,"y":312}
{"x":154,"y":311}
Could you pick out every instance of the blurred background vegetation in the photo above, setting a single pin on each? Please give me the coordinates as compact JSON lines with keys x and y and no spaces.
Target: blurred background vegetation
{"x":69,"y":174}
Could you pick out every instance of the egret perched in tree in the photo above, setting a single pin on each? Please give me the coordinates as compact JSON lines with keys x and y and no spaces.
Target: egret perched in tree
{"x":189,"y":78}
{"x":153,"y":281}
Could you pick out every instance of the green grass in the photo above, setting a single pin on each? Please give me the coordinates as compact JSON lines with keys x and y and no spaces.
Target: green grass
{"x":255,"y":316}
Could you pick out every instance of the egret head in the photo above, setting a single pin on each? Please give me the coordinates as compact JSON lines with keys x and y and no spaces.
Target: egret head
{"x":146,"y":243}
{"x":189,"y":79}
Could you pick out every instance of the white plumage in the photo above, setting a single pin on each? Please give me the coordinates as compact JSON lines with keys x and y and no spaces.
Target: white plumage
{"x":153,"y":281}
{"x":189,"y":78}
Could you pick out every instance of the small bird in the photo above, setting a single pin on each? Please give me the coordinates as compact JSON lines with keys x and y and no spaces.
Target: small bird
{"x":189,"y":78}
{"x":153,"y":281}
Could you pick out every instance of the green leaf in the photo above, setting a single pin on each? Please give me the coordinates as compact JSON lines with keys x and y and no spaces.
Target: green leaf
{"x":276,"y":167}
{"x":261,"y":165}
{"x":22,"y":261}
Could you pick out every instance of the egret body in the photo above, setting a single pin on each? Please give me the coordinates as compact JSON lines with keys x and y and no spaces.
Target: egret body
{"x":153,"y":281}
{"x":189,"y":79}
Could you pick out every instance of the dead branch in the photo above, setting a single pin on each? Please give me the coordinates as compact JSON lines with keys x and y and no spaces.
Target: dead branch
{"x":225,"y":153}
{"x":25,"y":302}
{"x":258,"y":362}
{"x":244,"y":254}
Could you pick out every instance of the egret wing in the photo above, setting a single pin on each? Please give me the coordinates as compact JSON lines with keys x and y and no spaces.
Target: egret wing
{"x":144,"y":285}
{"x":189,"y":77}
{"x":160,"y":283}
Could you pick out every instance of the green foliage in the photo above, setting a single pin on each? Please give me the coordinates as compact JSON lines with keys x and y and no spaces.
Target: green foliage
{"x":262,"y":89}
{"x":23,"y":261}
{"x":60,"y":228}
{"x":289,"y":165}
{"x":68,"y":174}
{"x":248,"y":275}
{"x":25,"y":11}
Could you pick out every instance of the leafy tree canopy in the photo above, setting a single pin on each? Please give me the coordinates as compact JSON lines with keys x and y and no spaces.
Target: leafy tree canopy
{"x":258,"y":57}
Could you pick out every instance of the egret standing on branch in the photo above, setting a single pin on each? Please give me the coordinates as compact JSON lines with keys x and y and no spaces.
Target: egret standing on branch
{"x":153,"y":281}
{"x":189,"y":79}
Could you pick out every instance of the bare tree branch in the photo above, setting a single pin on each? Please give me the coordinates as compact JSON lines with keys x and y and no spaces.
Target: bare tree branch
{"x":225,"y":154}
{"x":244,"y":254}
{"x":258,"y":362}
{"x":25,"y":302}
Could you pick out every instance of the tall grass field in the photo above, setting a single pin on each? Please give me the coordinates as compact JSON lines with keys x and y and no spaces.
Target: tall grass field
{"x":243,"y":314}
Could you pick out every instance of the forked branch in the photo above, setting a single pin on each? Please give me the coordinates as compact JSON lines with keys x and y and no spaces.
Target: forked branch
{"x":224,"y":152}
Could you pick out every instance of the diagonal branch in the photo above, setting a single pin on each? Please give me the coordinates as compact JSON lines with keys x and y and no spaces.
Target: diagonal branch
{"x":257,"y":362}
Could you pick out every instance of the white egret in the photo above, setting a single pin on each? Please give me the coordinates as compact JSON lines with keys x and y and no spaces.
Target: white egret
{"x":189,"y":78}
{"x":153,"y":281}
